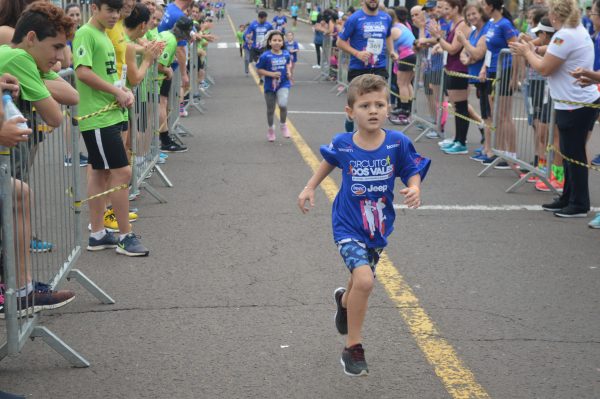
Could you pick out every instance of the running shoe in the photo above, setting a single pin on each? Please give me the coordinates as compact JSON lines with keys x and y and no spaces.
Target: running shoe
{"x":83,"y":160}
{"x":447,"y":145}
{"x":396,"y":119}
{"x":596,"y":160}
{"x":478,"y":150}
{"x":284,"y":131}
{"x":571,"y":212}
{"x":353,"y":361}
{"x":478,"y":157}
{"x":445,"y":142}
{"x":530,"y":179}
{"x":489,"y":160}
{"x":316,"y":66}
{"x":555,"y":205}
{"x":108,"y":241}
{"x":595,"y":222}
{"x":182,"y":112}
{"x":41,"y":298}
{"x":341,"y":316}
{"x":130,"y":245}
{"x":271,"y":134}
{"x":456,"y":149}
{"x":502,"y":165}
{"x":558,"y":186}
{"x":133,"y":216}
{"x":38,"y":246}
{"x":432,"y":135}
{"x":163,"y":155}
{"x":161,"y":161}
{"x":173,"y":147}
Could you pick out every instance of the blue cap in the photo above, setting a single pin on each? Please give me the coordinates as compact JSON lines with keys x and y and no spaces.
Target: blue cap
{"x":430,"y":4}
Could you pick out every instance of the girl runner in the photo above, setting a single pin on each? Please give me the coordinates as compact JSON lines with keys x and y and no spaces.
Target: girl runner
{"x":275,"y":66}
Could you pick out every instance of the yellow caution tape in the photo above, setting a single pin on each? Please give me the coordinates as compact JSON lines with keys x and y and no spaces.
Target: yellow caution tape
{"x":7,"y":152}
{"x":589,"y":105}
{"x":406,"y":63}
{"x":107,"y":108}
{"x":452,"y":112}
{"x":465,"y":75}
{"x":112,"y":190}
{"x":571,"y":160}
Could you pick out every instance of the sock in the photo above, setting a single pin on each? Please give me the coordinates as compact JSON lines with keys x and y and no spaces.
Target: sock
{"x":122,"y":236}
{"x":164,"y":137}
{"x":98,"y":235}
{"x":21,"y":292}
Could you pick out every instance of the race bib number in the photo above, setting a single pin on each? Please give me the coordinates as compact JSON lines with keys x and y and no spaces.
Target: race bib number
{"x":260,"y":37}
{"x":375,"y":46}
{"x":488,"y":58}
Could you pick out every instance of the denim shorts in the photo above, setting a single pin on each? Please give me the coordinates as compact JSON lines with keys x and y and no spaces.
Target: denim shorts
{"x":356,"y":253}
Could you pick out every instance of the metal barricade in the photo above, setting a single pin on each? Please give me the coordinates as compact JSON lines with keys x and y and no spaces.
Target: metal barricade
{"x":428,"y":104}
{"x":173,"y":116}
{"x":325,"y":55}
{"x":144,"y":130}
{"x":521,"y":120}
{"x":342,"y":73}
{"x":194,"y":94}
{"x":41,"y":227}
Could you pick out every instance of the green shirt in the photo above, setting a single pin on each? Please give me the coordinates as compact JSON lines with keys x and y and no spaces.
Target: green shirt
{"x":152,"y":34}
{"x":240,"y":36}
{"x":22,"y":66}
{"x":92,"y":48}
{"x":168,"y":54}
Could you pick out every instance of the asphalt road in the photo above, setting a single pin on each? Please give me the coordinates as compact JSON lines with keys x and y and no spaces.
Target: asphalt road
{"x":235,"y":300}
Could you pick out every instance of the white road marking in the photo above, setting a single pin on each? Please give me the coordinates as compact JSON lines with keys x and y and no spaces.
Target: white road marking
{"x":481,"y":207}
{"x":317,"y":112}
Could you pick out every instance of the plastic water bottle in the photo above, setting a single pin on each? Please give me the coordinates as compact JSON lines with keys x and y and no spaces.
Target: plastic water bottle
{"x":11,"y":112}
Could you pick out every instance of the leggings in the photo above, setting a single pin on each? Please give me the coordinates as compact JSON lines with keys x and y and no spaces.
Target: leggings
{"x":247,"y":58}
{"x":318,"y":49}
{"x":281,"y":98}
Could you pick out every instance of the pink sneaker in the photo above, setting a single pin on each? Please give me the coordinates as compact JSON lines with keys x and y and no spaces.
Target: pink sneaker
{"x":285,"y":131}
{"x":271,"y":134}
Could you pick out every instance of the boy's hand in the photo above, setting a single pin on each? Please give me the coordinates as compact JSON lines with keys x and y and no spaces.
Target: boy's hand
{"x":169,"y":73}
{"x":364,"y":56}
{"x":276,"y":75}
{"x":10,"y":83}
{"x":124,"y":98}
{"x":412,"y":197}
{"x":11,"y":135}
{"x":308,"y":194}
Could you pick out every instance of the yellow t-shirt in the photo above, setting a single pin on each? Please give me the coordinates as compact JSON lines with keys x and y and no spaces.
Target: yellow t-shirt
{"x":119,"y":41}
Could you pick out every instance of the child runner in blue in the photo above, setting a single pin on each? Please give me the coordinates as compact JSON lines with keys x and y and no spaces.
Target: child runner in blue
{"x":280,"y":21}
{"x":363,"y":213}
{"x":292,"y":47}
{"x":275,"y":66}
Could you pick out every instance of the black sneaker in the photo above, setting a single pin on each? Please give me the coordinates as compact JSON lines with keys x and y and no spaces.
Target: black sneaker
{"x":341,"y":317}
{"x":502,"y":165}
{"x":571,"y":212}
{"x":353,"y":360}
{"x":555,"y":206}
{"x":173,"y":147}
{"x":108,"y":241}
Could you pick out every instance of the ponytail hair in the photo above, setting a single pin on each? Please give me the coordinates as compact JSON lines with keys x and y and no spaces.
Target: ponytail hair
{"x":499,"y":5}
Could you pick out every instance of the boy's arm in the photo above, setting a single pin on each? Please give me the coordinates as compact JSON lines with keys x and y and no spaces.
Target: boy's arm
{"x":87,"y":76}
{"x":62,"y":91}
{"x":308,"y":194}
{"x":412,"y":192}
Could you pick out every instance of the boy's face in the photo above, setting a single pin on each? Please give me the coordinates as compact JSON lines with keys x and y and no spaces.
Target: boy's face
{"x":105,"y":15}
{"x":195,"y":13}
{"x":47,"y":52}
{"x":156,"y":18}
{"x":370,"y":110}
{"x":151,"y":4}
{"x":289,"y":36}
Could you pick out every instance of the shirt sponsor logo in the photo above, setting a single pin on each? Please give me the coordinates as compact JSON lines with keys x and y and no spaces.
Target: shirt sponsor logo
{"x":377,"y":189}
{"x":390,"y":146}
{"x":371,"y":169}
{"x":358,"y":189}
{"x":558,"y":41}
{"x":346,"y":149}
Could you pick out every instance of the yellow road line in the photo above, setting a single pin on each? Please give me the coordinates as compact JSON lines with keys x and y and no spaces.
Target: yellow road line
{"x":458,"y":380}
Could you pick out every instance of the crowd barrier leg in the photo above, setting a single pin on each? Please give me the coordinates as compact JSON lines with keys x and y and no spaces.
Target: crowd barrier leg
{"x":341,"y":85}
{"x":433,"y":89}
{"x":516,"y":119}
{"x":325,"y":55}
{"x":175,"y":127}
{"x":194,"y":93}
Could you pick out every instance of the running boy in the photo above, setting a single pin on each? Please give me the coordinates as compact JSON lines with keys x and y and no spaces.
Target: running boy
{"x":293,"y":48}
{"x":363,"y":213}
{"x":275,"y":66}
{"x":98,"y":85}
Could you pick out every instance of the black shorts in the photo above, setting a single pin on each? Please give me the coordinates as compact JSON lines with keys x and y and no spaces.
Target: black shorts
{"x":502,"y":84}
{"x":455,"y":83}
{"x":411,"y":59}
{"x":484,"y":100}
{"x":105,"y":147}
{"x":295,"y":17}
{"x":354,"y":73}
{"x":200,"y":63}
{"x":165,"y":87}
{"x":536,"y":94}
{"x":255,"y":54}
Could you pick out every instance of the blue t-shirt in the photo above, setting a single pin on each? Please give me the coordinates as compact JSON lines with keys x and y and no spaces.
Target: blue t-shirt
{"x":258,"y":32}
{"x":294,"y":10}
{"x":474,"y":37}
{"x":318,"y":37}
{"x":497,"y":38}
{"x":588,"y":24}
{"x":363,"y":209}
{"x":436,"y":61}
{"x":275,"y":63}
{"x":368,"y":32}
{"x":278,"y":22}
{"x":292,"y":46}
{"x":170,"y":17}
{"x":597,"y":52}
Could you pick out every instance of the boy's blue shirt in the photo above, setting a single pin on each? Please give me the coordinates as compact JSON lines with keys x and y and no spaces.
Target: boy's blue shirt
{"x":363,"y":208}
{"x":258,"y":32}
{"x":292,"y":46}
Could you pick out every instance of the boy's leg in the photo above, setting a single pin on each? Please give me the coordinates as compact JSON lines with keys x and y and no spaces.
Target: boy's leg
{"x":97,"y":183}
{"x":120,"y":198}
{"x":357,"y":298}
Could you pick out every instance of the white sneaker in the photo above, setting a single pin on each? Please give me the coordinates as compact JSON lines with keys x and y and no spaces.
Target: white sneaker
{"x":316,"y":66}
{"x":432,"y":135}
{"x":445,"y":142}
